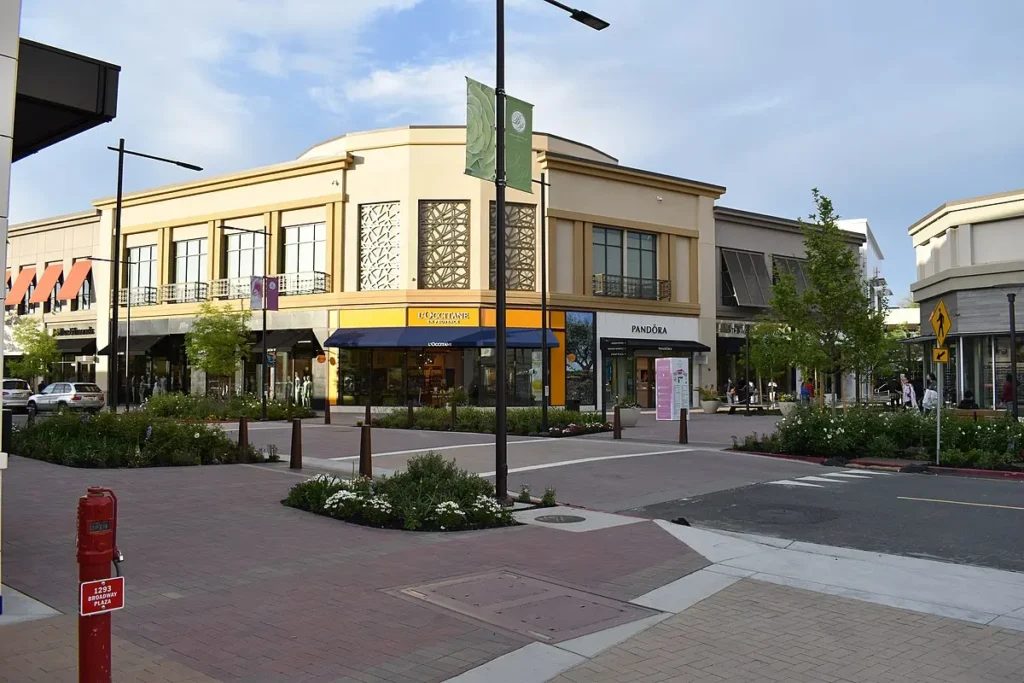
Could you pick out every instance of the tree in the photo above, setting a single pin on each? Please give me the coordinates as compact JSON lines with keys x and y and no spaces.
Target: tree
{"x":39,"y":349}
{"x":770,"y":349}
{"x":832,"y":327}
{"x":219,"y":340}
{"x":907,"y":301}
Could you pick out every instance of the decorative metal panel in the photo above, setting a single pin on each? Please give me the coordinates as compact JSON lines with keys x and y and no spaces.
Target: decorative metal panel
{"x":444,"y":245}
{"x":379,"y":245}
{"x":520,"y":246}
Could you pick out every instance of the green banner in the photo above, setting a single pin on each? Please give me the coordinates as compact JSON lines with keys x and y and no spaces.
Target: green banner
{"x":481,"y":137}
{"x":519,"y":144}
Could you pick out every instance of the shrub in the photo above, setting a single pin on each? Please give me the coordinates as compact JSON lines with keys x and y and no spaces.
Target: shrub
{"x":524,"y":494}
{"x":860,"y":432}
{"x":432,"y":494}
{"x":521,"y":421}
{"x":128,"y":440}
{"x":191,"y":407}
{"x":548,"y":499}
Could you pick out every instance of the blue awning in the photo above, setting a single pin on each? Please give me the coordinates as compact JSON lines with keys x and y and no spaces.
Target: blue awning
{"x":422,"y":337}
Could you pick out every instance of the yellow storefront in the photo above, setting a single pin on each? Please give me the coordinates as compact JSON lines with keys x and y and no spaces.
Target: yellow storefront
{"x":423,"y":354}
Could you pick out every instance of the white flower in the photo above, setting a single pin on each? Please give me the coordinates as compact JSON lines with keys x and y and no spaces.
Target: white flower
{"x":379,"y":504}
{"x":448,"y":507}
{"x":340,"y":498}
{"x":196,"y":436}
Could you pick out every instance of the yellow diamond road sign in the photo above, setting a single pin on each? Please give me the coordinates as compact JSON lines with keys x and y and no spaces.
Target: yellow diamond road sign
{"x":940,"y":354}
{"x":940,"y":323}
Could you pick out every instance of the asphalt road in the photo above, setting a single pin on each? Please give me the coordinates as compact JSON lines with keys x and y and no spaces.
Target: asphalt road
{"x":967,"y":521}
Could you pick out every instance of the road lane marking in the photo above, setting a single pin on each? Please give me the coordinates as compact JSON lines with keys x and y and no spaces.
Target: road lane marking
{"x":830,"y":481}
{"x":961,"y":502}
{"x":790,"y":482}
{"x":442,"y":448}
{"x":580,"y":461}
{"x":875,"y":472}
{"x":845,"y":476}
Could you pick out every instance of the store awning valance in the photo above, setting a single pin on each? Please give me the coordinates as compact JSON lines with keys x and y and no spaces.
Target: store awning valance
{"x":73,"y":282}
{"x":611,"y":343}
{"x":290,"y":339}
{"x":422,"y":337}
{"x":81,"y":346}
{"x":20,"y":286}
{"x":139,"y":344}
{"x":46,"y":283}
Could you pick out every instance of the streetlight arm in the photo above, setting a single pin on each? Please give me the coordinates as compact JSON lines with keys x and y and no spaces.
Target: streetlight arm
{"x":585,"y":18}
{"x":183,"y":164}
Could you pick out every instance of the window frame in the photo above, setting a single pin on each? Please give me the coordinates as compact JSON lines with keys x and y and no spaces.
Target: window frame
{"x":254,"y":255}
{"x":317,"y":233}
{"x":195,"y":258}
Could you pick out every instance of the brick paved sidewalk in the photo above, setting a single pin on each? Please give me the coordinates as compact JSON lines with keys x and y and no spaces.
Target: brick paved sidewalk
{"x":225,"y":584}
{"x":755,"y":631}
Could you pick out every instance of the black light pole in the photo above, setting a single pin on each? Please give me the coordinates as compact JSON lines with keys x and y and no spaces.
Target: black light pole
{"x":746,"y":379}
{"x":264,"y":367}
{"x":1012,"y":298}
{"x":127,"y":336}
{"x":115,"y":258}
{"x":500,"y":403}
{"x":545,"y":365}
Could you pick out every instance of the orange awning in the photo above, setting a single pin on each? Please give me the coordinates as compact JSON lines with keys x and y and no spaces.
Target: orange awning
{"x":46,"y":283}
{"x":20,"y":286}
{"x":73,"y":282}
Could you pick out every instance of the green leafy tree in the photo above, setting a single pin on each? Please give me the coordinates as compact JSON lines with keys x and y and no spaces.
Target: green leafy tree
{"x":39,"y":349}
{"x":771,"y":349}
{"x":832,"y":327}
{"x":219,"y":340}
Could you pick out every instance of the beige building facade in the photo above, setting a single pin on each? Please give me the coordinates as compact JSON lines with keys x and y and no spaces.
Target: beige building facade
{"x":383,"y":251}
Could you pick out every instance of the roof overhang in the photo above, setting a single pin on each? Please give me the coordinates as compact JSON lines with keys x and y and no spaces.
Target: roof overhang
{"x":60,"y":94}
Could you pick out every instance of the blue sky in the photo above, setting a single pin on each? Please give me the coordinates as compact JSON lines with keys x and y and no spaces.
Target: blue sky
{"x":891,"y":108}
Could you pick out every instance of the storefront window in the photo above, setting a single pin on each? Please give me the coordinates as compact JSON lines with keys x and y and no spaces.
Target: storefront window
{"x":580,"y":357}
{"x":1002,"y":362}
{"x":978,"y":370}
{"x":354,"y":376}
{"x":387,"y":383}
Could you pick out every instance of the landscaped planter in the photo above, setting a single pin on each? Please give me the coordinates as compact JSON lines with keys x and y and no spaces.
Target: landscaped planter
{"x":710,"y":407}
{"x":786,"y":407}
{"x":628,"y":417}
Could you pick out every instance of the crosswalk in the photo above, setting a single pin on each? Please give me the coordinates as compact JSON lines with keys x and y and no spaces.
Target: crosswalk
{"x":835,"y":478}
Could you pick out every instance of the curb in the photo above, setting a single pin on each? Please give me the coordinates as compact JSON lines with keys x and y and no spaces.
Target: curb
{"x":781,"y":456}
{"x":925,"y":468}
{"x":980,"y":474}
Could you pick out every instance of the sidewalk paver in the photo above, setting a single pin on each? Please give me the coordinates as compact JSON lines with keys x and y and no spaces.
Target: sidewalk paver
{"x":756,"y":631}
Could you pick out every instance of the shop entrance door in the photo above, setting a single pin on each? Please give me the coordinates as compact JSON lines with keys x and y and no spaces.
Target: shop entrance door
{"x":645,"y":384}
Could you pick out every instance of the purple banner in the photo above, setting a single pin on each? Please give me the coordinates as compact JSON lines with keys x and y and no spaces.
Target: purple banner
{"x":256,"y":293}
{"x":663,"y":388}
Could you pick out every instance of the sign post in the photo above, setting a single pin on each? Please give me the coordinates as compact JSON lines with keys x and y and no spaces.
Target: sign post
{"x":940,"y":356}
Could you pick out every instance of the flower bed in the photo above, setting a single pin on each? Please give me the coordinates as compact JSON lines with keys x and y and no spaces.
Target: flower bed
{"x":865,"y":432}
{"x":190,"y":407}
{"x":521,"y":421}
{"x":128,"y":440}
{"x":432,"y":494}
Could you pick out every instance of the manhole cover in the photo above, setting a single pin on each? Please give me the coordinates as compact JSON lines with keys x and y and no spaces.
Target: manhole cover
{"x":560,"y":519}
{"x":794,"y":514}
{"x":532,"y":607}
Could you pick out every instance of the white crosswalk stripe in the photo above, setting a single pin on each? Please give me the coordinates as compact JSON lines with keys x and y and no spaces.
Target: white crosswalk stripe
{"x":790,"y":482}
{"x":821,"y":481}
{"x":843,"y":475}
{"x":874,"y":473}
{"x":830,"y":481}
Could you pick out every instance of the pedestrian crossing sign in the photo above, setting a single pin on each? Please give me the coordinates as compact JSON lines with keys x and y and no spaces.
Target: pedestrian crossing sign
{"x":940,"y":354}
{"x":940,"y":323}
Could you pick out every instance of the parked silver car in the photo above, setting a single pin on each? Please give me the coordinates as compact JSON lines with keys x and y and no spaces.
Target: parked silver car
{"x":16,"y":393}
{"x":67,"y":396}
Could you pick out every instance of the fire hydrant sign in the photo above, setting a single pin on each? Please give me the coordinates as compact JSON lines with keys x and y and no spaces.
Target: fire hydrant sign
{"x":105,"y":595}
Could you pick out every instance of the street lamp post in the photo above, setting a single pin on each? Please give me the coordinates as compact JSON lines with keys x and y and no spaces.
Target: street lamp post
{"x":1012,"y":298}
{"x":115,"y":259}
{"x":545,"y":365}
{"x":500,"y":400}
{"x":127,"y":335}
{"x":264,"y":367}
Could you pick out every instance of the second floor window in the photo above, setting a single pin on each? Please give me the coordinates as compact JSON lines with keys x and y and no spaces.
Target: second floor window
{"x":142,"y":266}
{"x":53,"y":304}
{"x":26,"y":308}
{"x":245,"y":256}
{"x":607,"y":251}
{"x":305,"y":248}
{"x":625,"y":253}
{"x":83,"y":301}
{"x":190,"y":260}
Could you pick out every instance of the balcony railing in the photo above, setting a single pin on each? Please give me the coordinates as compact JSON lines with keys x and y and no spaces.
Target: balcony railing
{"x":303,"y":283}
{"x":631,"y":287}
{"x":231,"y":288}
{"x":183,"y":292}
{"x":140,"y":296}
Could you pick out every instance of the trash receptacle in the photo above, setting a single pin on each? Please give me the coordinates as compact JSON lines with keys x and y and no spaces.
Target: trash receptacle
{"x":7,"y":430}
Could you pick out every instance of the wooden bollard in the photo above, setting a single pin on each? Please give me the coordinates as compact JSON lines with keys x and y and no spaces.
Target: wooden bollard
{"x":368,"y":417}
{"x":365,"y":455}
{"x":327,"y":411}
{"x":243,"y":432}
{"x":616,"y":424}
{"x":296,"y":455}
{"x":684,"y":433}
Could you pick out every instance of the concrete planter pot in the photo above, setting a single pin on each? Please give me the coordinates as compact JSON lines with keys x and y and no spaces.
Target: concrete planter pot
{"x":710,"y":407}
{"x":629,"y":416}
{"x":786,"y":407}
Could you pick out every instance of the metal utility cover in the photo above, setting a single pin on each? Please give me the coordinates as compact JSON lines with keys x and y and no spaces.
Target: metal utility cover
{"x":528,"y":606}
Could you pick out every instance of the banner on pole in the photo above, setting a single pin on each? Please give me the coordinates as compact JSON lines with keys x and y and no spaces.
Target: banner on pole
{"x":481,"y":137}
{"x":519,"y":144}
{"x":256,"y":293}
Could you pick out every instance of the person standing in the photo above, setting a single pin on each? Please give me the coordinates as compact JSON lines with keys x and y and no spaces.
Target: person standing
{"x":909,"y":394}
{"x":1006,"y":394}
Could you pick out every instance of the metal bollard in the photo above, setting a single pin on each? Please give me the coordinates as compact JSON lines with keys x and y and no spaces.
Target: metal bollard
{"x":616,"y":424}
{"x":327,"y":411}
{"x":243,"y":432}
{"x":684,"y":429}
{"x":411,"y":420}
{"x":365,"y":456}
{"x":368,"y":418}
{"x":296,"y":456}
{"x":455,"y":415}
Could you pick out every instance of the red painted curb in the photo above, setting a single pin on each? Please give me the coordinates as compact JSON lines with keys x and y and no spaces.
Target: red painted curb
{"x":983,"y":474}
{"x":783,"y":456}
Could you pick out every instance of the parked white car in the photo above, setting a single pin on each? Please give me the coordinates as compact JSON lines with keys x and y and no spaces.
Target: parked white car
{"x":16,"y":393}
{"x":67,"y":396}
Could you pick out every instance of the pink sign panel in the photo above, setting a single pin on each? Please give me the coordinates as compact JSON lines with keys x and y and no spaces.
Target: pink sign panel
{"x":663,"y":388}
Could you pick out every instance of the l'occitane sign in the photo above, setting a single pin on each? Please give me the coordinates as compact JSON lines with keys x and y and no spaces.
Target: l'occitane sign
{"x":444,"y":317}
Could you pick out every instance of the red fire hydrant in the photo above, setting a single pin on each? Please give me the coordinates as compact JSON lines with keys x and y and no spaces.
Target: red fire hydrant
{"x":99,"y":593}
